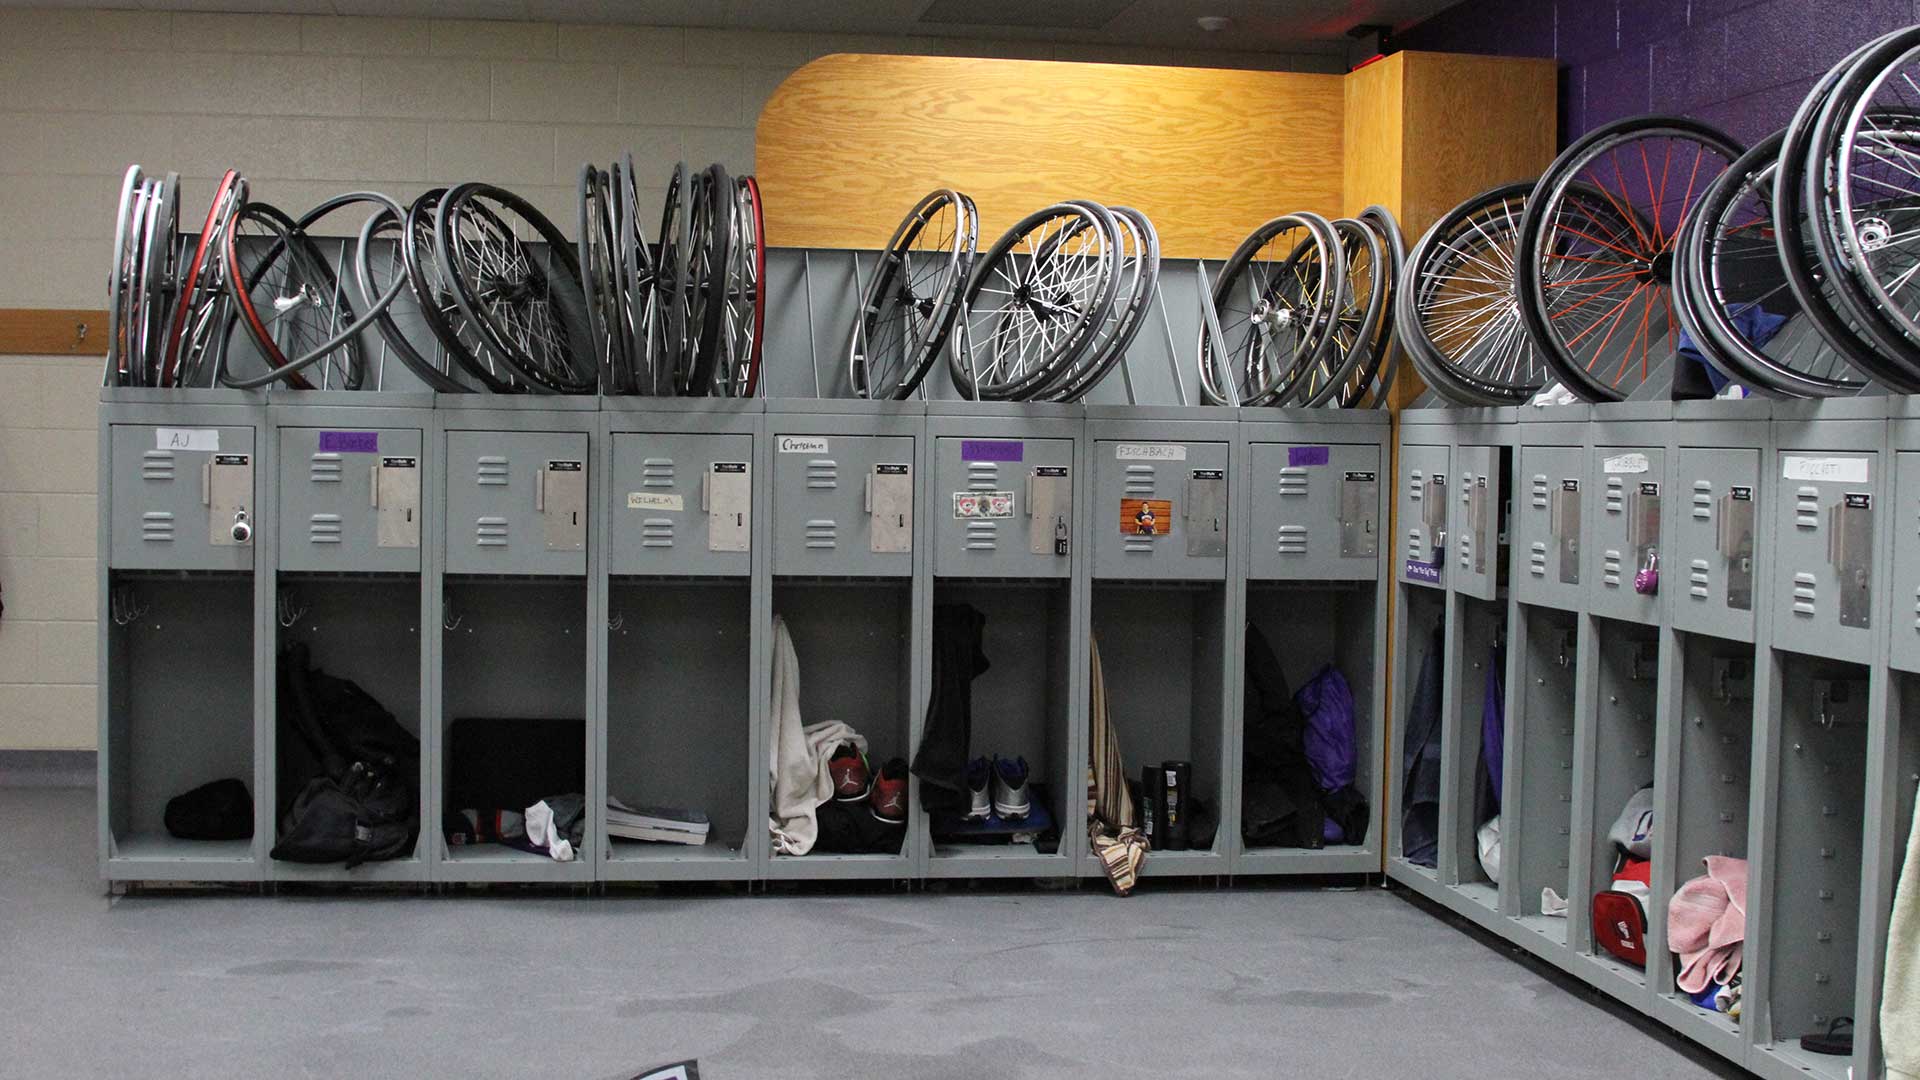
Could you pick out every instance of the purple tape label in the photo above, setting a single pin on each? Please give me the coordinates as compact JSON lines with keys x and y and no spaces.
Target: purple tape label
{"x":1298,"y":456}
{"x":349,"y":442}
{"x":992,"y":450}
{"x":1420,"y":571}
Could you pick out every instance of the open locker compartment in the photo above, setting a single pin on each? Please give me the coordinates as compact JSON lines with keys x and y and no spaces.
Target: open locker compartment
{"x":1313,"y":628}
{"x":1022,"y":708}
{"x":364,"y":629}
{"x":514,"y":716}
{"x":1709,"y":782}
{"x":1419,"y":652}
{"x":1808,"y":963}
{"x":1474,"y":726}
{"x":1537,"y":809}
{"x":179,"y":705}
{"x":1164,"y":656}
{"x":1626,"y":671}
{"x":854,"y":640}
{"x":679,"y":721}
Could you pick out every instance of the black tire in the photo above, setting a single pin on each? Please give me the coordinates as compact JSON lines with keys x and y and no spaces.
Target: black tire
{"x":1317,"y":248}
{"x":1465,"y":379}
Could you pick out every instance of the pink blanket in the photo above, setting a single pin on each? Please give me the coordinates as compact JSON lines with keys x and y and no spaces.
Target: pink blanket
{"x":1707,"y":924}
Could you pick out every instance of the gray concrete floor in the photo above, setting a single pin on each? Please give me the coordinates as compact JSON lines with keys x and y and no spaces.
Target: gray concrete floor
{"x":1295,"y":982}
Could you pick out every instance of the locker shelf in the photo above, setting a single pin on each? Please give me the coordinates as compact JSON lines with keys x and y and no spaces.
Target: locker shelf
{"x":679,"y":728}
{"x":1551,"y":927}
{"x":1162,"y":650}
{"x":179,"y":706}
{"x":1022,"y":706}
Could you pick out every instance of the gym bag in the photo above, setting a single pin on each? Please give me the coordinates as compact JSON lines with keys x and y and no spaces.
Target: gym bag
{"x":351,"y":769}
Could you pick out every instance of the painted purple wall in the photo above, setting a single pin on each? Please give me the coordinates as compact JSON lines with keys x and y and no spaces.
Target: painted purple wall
{"x":1744,"y":65}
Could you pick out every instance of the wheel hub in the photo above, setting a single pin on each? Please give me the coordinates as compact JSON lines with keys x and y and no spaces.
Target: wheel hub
{"x":1874,"y":233}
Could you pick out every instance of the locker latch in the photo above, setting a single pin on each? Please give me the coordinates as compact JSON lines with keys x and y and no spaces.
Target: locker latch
{"x":226,"y":489}
{"x":1049,"y":509}
{"x":889,"y":504}
{"x":1206,"y":516}
{"x":1850,"y":552}
{"x":1734,"y":539}
{"x":1359,"y":510}
{"x":1564,"y":520}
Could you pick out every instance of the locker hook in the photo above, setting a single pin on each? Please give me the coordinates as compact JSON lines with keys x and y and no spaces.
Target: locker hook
{"x":617,"y":622}
{"x":449,"y":620}
{"x":289,"y":609}
{"x":124,"y":605}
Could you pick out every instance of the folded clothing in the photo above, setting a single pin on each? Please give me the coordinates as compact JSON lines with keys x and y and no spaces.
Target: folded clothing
{"x":553,"y":826}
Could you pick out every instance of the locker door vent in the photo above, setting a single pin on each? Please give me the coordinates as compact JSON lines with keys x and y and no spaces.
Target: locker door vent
{"x":983,"y":476}
{"x":1540,"y":491}
{"x":490,"y":469}
{"x":822,"y":533}
{"x":1806,"y":507}
{"x":156,"y":465}
{"x":324,"y":468}
{"x":1698,"y":579}
{"x":323,"y":529}
{"x":1294,"y":482}
{"x":656,"y":472}
{"x":822,"y":474}
{"x":1702,"y":500}
{"x":983,"y":535}
{"x":156,"y":527}
{"x":1616,"y":495}
{"x":490,"y":531}
{"x":1537,"y":558}
{"x":656,"y":532}
{"x":1803,"y":595}
{"x":1292,"y":540}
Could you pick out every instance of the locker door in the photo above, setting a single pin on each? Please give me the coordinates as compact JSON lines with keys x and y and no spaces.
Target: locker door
{"x":1904,"y":646}
{"x":1626,"y":533}
{"x":1474,"y":525}
{"x":1316,"y":512}
{"x":516,"y":502}
{"x":1547,"y":523}
{"x":1716,"y":502}
{"x":843,"y":505}
{"x":183,"y":498}
{"x":1823,"y":513}
{"x":1420,"y":514}
{"x":1002,"y":507}
{"x":682,"y":504}
{"x":1160,"y":510}
{"x":350,"y":500}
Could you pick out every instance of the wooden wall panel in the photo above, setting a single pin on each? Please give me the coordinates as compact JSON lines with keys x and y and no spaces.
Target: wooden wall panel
{"x":1372,"y":138}
{"x":1471,"y":122}
{"x":52,"y":332}
{"x":849,"y":142}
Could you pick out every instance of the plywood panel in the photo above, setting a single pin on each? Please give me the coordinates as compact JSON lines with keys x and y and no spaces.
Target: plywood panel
{"x":849,"y":142}
{"x":1471,"y":122}
{"x":1374,"y":150}
{"x":52,"y":332}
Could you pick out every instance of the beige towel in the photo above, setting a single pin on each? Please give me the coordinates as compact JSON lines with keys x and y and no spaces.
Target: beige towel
{"x":1110,"y":826}
{"x":1900,"y":998}
{"x":799,"y":756}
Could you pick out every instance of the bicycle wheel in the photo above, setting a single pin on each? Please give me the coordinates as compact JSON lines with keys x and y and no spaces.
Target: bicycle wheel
{"x":160,"y":255}
{"x":1139,"y":277}
{"x":671,"y":285}
{"x":599,"y":271}
{"x":383,"y":232}
{"x":198,"y":317}
{"x":427,"y":275}
{"x":1733,"y":292}
{"x":1455,"y":309}
{"x":121,"y":280}
{"x":709,"y":230}
{"x":1370,"y":382}
{"x":525,"y":301}
{"x":1036,"y":301}
{"x":639,"y":302}
{"x":1277,"y":298}
{"x":1586,"y":274}
{"x":745,"y":296}
{"x":1357,"y":321}
{"x":908,"y":307}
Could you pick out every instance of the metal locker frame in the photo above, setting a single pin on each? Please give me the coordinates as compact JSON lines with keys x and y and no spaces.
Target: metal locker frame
{"x":1299,"y":427}
{"x":354,"y":411}
{"x":1538,"y":531}
{"x":999,"y":421}
{"x":1177,"y":424}
{"x":849,"y":418}
{"x":543,"y":413}
{"x":1423,"y":444}
{"x":684,"y":416}
{"x":179,"y":860}
{"x":1621,"y":431}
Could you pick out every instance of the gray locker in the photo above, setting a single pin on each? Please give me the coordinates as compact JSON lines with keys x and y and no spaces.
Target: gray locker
{"x":1160,"y":510}
{"x":1421,"y":512}
{"x":183,"y":498}
{"x":1823,"y":514}
{"x":1002,"y":507}
{"x":1716,"y":494}
{"x":1315,"y":512}
{"x":1626,"y":531}
{"x":843,"y":505}
{"x":682,"y":504}
{"x":517,"y":502}
{"x":1473,"y":532}
{"x":1547,"y":522}
{"x":1903,"y":641}
{"x":350,"y":500}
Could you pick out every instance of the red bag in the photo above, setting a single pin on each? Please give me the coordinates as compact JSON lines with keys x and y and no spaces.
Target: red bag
{"x":1620,"y":926}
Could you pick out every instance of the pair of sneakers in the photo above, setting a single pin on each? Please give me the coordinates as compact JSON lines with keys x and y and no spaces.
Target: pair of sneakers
{"x":854,"y":780}
{"x":998,"y":787}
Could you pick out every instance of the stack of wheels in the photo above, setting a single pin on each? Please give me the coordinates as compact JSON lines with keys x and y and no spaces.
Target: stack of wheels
{"x":470,"y":287}
{"x":1301,"y":314}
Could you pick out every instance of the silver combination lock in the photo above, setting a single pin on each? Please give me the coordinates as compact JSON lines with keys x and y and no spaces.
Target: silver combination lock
{"x":242,"y":527}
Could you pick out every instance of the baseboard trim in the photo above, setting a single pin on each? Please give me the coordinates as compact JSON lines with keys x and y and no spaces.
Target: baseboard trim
{"x":48,"y":768}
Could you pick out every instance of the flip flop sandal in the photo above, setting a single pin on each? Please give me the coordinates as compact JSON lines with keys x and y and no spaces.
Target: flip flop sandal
{"x":1834,"y":1041}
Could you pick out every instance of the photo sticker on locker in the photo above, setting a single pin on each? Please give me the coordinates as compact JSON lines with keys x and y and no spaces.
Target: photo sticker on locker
{"x":983,"y":504}
{"x":1145,"y":517}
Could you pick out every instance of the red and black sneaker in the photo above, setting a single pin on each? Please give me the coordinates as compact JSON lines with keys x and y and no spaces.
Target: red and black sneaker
{"x":851,"y":777}
{"x":889,"y":799}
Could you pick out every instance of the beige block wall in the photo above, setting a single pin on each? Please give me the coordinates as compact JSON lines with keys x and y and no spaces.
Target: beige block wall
{"x":306,"y":107}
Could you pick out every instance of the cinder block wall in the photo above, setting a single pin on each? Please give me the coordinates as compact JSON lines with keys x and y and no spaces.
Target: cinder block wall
{"x":307,"y":107}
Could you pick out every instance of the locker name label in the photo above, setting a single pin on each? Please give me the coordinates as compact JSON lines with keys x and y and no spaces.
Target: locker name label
{"x":174,"y":438}
{"x":1209,"y":474}
{"x":399,"y":462}
{"x":1740,"y":494}
{"x":1626,"y":463}
{"x":1150,"y":452}
{"x":654,"y":500}
{"x":801,"y":444}
{"x":1302,"y":456}
{"x":349,"y":442}
{"x":1844,"y":470}
{"x":1422,"y":571}
{"x":992,"y":450}
{"x":563,"y":466}
{"x":982,"y":504}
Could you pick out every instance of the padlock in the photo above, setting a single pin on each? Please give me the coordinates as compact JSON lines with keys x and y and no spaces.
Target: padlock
{"x":1646,"y":581}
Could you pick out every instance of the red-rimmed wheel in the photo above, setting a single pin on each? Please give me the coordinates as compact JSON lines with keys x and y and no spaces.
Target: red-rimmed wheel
{"x":1598,"y":246}
{"x":204,"y":284}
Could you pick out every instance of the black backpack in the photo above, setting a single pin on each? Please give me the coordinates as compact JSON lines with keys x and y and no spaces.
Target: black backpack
{"x":349,"y":773}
